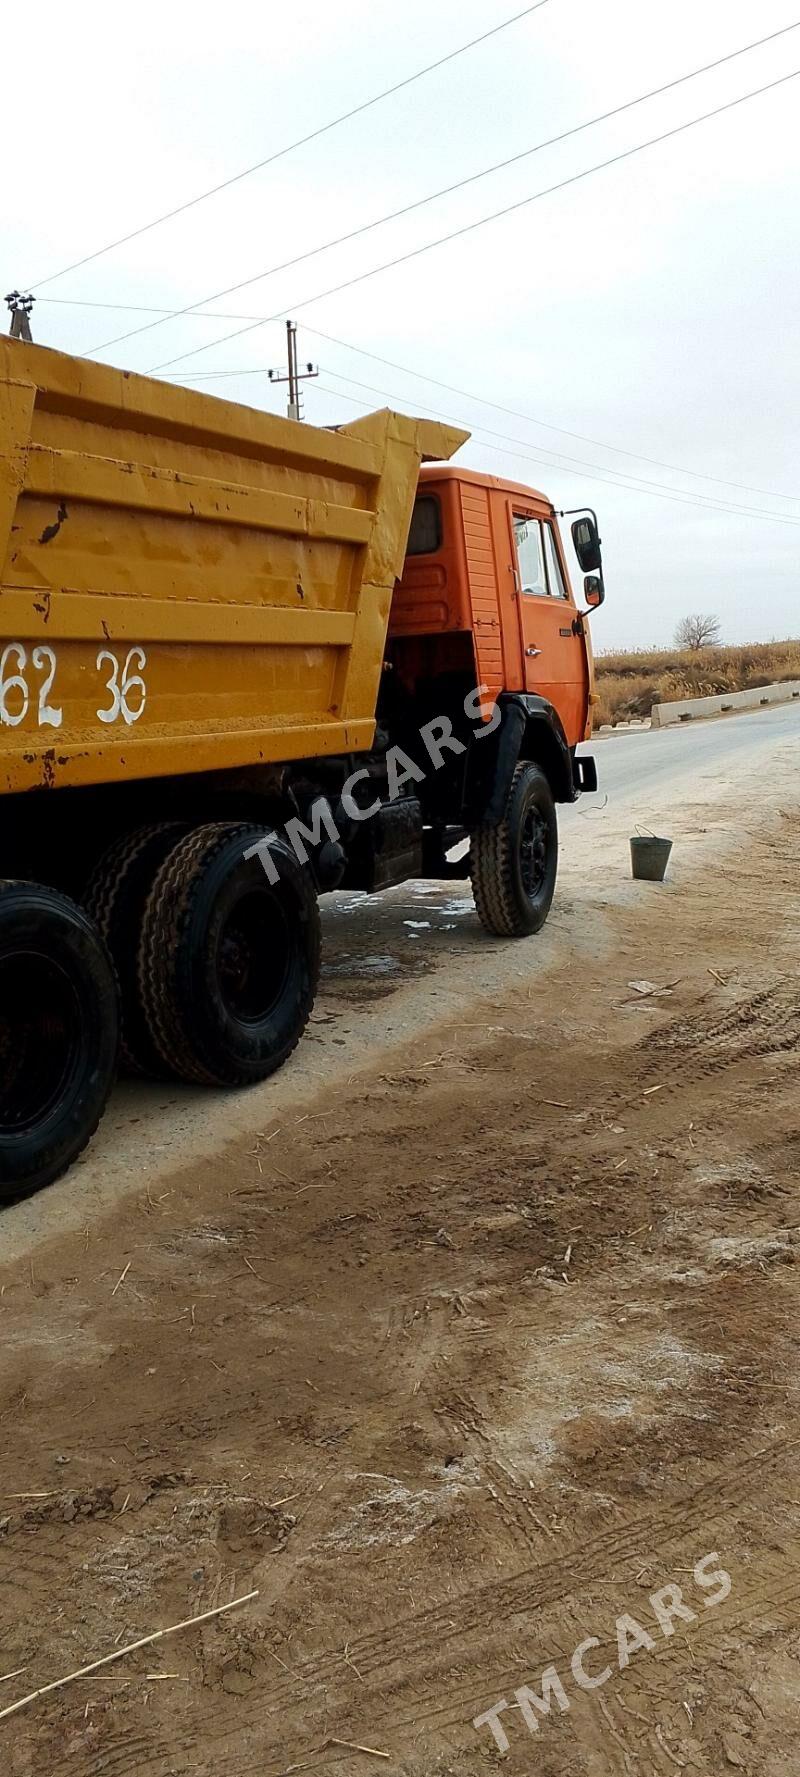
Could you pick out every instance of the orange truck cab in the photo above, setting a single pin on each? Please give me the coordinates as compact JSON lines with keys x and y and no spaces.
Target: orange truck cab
{"x":485,"y":560}
{"x":485,"y":601}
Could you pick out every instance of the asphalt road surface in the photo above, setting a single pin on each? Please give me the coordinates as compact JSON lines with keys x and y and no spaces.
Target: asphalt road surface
{"x":630,"y":760}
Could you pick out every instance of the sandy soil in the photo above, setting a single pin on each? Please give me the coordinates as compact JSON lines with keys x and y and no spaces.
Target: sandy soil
{"x":475,"y":1335}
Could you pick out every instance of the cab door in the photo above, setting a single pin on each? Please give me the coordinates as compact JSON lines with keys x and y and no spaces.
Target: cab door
{"x":555,"y":663}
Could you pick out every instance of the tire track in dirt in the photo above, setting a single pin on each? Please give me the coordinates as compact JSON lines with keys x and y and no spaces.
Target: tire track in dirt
{"x":486,"y":1448}
{"x":542,"y":1585}
{"x":430,"y":1645}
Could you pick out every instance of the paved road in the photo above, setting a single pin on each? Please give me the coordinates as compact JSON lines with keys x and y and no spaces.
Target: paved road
{"x":650,"y":757}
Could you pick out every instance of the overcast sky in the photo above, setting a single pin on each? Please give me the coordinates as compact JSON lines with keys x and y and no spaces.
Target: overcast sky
{"x":651,"y":307}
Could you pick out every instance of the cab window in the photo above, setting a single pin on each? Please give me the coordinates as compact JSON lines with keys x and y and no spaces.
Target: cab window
{"x":530,"y":559}
{"x":425,"y":534}
{"x":555,"y":578}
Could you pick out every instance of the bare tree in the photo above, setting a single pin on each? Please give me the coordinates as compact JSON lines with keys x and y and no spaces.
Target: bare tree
{"x":698,"y":631}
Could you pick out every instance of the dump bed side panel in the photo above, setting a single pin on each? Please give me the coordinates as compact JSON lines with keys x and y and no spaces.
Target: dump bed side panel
{"x":186,"y":584}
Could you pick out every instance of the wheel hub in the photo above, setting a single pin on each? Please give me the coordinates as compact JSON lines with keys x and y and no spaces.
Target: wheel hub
{"x":533,"y":851}
{"x":39,"y":1022}
{"x":252,"y":957}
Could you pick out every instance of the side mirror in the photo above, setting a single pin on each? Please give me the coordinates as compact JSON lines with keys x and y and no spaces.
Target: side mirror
{"x":587,"y":544}
{"x":594,"y":591}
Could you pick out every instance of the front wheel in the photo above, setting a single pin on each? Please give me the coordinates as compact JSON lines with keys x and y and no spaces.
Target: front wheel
{"x":513,"y":865}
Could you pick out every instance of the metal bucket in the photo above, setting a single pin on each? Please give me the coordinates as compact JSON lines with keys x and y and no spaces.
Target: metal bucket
{"x":649,"y":857}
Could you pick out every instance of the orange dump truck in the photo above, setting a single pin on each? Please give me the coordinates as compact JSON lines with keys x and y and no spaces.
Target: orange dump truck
{"x":242,"y":662}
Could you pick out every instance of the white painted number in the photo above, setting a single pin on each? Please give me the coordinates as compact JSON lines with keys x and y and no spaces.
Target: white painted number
{"x":110,"y":714}
{"x":134,"y":682}
{"x":120,"y":693}
{"x":45,"y":661}
{"x":125,"y":685}
{"x":14,"y":696}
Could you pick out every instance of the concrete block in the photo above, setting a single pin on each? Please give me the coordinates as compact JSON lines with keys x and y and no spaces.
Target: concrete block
{"x":665,"y":715}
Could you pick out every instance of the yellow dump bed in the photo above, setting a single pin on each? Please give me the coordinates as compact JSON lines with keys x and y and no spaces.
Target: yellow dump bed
{"x":186,"y":584}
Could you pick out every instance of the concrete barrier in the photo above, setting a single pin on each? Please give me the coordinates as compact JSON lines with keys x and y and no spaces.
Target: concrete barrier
{"x":665,"y":715}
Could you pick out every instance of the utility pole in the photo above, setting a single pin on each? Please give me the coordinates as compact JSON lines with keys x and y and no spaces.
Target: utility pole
{"x":295,"y":376}
{"x":20,"y":308}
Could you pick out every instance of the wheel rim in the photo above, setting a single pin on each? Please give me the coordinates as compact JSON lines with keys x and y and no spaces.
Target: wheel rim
{"x":40,"y":1028}
{"x":533,"y":852}
{"x":253,"y":957}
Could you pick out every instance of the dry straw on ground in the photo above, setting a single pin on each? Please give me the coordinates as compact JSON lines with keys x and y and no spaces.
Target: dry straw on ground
{"x":57,"y":1684}
{"x":629,"y":684}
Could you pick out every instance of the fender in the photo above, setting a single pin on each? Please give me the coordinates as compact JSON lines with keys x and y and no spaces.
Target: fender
{"x":531,"y":729}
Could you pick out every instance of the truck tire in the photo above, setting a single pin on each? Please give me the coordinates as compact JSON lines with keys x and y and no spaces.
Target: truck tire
{"x":228,"y":962}
{"x":58,"y":1034}
{"x":513,"y":865}
{"x":115,"y":897}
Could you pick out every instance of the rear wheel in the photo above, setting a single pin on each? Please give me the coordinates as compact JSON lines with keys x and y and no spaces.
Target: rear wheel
{"x":228,"y":961}
{"x":513,"y":865}
{"x":58,"y":1034}
{"x":116,"y":896}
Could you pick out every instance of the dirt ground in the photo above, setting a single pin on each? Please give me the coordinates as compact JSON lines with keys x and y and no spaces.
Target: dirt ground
{"x":455,"y":1363}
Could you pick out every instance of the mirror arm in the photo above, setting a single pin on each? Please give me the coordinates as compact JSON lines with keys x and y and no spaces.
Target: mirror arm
{"x":602,"y":598}
{"x":575,"y":511}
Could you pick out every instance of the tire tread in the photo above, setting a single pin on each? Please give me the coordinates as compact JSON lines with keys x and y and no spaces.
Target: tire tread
{"x":492,"y":868}
{"x":37,"y":1166}
{"x":169,"y":909}
{"x":104,"y":898}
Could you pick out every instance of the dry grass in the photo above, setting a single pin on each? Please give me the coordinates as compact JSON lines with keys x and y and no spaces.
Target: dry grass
{"x":629,"y":684}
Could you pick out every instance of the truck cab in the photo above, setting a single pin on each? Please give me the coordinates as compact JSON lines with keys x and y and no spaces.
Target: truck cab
{"x":486,"y":585}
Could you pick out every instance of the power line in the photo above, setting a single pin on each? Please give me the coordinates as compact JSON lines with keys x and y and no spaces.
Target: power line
{"x":494,"y":216}
{"x":139,"y":308}
{"x":552,"y":459}
{"x":482,"y":401}
{"x":436,"y":382}
{"x":610,"y":480}
{"x":448,"y":190}
{"x":531,"y":419}
{"x":559,"y":457}
{"x":280,"y":153}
